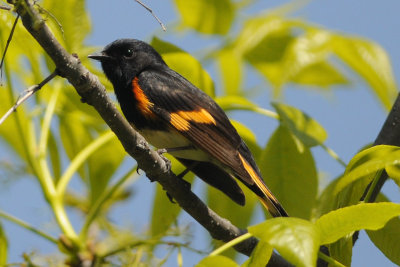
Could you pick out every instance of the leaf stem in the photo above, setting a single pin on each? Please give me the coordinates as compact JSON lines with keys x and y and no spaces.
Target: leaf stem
{"x":27,"y":226}
{"x":46,"y":122}
{"x":330,"y":260}
{"x":100,"y":201}
{"x":372,"y":186}
{"x":230,"y":244}
{"x":80,"y":159}
{"x":333,"y":154}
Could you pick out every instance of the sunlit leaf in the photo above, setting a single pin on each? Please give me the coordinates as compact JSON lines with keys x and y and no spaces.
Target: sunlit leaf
{"x":371,"y":62}
{"x":308,"y":130}
{"x":71,"y":28}
{"x":185,"y":64}
{"x":286,"y":51}
{"x":368,"y":162}
{"x":289,"y":171}
{"x":3,"y":247}
{"x":207,"y":16}
{"x":260,"y":255}
{"x":393,"y":172}
{"x":342,"y":250}
{"x":230,"y":65}
{"x":231,"y":102}
{"x":387,"y":238}
{"x":320,"y":74}
{"x":341,"y":222}
{"x":326,"y":200}
{"x":212,"y":261}
{"x":54,"y":156}
{"x":295,"y":239}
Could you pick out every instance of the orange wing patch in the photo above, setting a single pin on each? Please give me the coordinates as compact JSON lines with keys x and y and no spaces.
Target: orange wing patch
{"x":143,"y":102}
{"x":181,"y":119}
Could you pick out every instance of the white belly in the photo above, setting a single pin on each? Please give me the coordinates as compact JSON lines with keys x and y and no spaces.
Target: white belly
{"x":162,"y":139}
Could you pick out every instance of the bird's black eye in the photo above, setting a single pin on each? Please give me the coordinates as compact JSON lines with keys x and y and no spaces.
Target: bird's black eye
{"x":128,"y":53}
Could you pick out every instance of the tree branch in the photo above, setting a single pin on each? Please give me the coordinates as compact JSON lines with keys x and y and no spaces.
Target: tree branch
{"x":388,"y":135}
{"x":157,"y":168}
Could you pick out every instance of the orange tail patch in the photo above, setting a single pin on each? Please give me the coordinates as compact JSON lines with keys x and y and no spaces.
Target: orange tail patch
{"x":270,"y":202}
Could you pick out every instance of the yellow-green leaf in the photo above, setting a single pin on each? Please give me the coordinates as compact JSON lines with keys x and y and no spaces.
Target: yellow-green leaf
{"x":295,"y":239}
{"x":260,"y":255}
{"x":3,"y":247}
{"x":289,"y":171}
{"x":368,"y":162}
{"x":321,"y":74}
{"x":371,"y":62}
{"x":213,"y":261}
{"x":308,"y":130}
{"x":207,"y":16}
{"x":230,"y":65}
{"x":387,"y":238}
{"x":339,"y":223}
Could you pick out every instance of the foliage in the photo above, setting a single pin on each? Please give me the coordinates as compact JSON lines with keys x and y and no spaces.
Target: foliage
{"x":57,"y":138}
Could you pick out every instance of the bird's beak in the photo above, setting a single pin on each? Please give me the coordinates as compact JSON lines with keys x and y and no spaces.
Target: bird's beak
{"x":100,"y":56}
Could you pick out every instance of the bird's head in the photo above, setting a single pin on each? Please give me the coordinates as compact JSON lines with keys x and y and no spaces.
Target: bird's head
{"x":124,"y":59}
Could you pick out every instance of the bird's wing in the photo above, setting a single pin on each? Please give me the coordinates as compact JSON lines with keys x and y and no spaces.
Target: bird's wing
{"x":196,"y":116}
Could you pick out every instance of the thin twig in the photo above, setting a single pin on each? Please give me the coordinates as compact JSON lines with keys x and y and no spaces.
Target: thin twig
{"x":152,"y":13}
{"x":27,"y":226}
{"x":7,"y":44}
{"x":5,"y":7}
{"x":26,"y":94}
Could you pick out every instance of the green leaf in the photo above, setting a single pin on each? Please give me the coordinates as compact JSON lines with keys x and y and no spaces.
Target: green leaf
{"x":387,"y":238}
{"x":54,"y":156}
{"x":164,"y":213}
{"x":289,"y":171}
{"x":185,"y":64}
{"x":260,"y":255}
{"x":3,"y":247}
{"x":228,"y":103}
{"x":393,"y":172}
{"x":212,"y":261}
{"x":367,"y":163}
{"x":321,"y":74}
{"x":341,"y":222}
{"x":286,"y":51}
{"x":230,"y":65}
{"x":263,"y":42}
{"x":71,"y":28}
{"x":207,"y":16}
{"x":342,"y":250}
{"x":308,"y":130}
{"x":371,"y":62}
{"x":326,"y":201}
{"x":295,"y":239}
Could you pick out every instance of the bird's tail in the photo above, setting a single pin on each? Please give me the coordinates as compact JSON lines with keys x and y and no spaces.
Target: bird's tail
{"x":269,"y":201}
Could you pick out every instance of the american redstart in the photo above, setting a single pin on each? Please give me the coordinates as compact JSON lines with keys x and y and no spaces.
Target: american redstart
{"x":174,"y":115}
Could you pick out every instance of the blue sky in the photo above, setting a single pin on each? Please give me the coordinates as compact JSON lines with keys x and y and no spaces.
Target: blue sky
{"x":351,"y":115}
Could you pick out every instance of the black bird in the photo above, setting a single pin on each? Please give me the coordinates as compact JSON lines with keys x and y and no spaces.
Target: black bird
{"x":173,"y":114}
